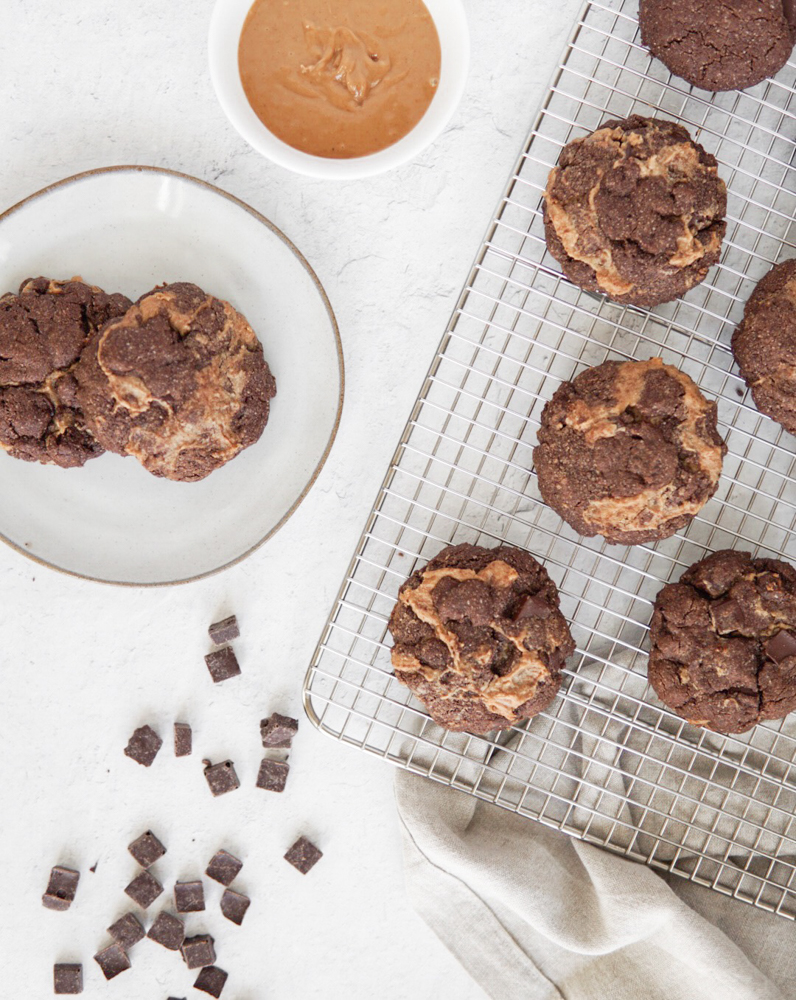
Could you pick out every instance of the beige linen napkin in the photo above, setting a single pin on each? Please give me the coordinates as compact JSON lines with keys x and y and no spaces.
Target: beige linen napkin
{"x":534,"y":914}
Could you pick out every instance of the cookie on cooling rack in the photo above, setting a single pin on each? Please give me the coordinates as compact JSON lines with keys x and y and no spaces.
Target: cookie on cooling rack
{"x":43,"y":329}
{"x":723,"y":642}
{"x":636,"y":211}
{"x":479,"y":637}
{"x":724,"y":46}
{"x":628,"y":450}
{"x":179,"y":382}
{"x":764,"y":345}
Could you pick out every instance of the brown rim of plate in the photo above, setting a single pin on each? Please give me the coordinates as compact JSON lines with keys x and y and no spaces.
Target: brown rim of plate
{"x":137,"y":168}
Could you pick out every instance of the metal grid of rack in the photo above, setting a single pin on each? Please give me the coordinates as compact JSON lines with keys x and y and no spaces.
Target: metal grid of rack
{"x":607,"y":762}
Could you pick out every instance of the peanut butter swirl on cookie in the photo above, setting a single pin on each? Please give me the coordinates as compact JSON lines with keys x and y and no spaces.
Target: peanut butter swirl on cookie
{"x":479,"y":637}
{"x":636,"y":210}
{"x":179,"y":382}
{"x":629,"y":450}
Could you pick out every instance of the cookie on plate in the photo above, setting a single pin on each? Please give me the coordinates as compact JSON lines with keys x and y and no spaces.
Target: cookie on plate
{"x":636,"y":211}
{"x":764,"y":345}
{"x":43,"y":329}
{"x":479,"y":637}
{"x":629,"y":450}
{"x":179,"y":382}
{"x":723,"y":642}
{"x":728,"y":46}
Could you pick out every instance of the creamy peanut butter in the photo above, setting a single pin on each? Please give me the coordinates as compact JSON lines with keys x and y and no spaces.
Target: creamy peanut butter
{"x":339,"y":78}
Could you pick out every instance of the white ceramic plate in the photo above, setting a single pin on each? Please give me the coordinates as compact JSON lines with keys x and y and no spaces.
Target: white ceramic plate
{"x":128,"y":229}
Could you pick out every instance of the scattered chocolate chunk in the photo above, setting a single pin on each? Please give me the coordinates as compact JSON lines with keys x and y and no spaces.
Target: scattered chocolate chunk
{"x":144,"y":889}
{"x":127,"y":931}
{"x":147,"y":849}
{"x":780,"y":646}
{"x":61,"y":888}
{"x":303,"y":855}
{"x":167,"y":930}
{"x":278,"y":730}
{"x":273,"y":775}
{"x":211,"y":980}
{"x":189,"y":897}
{"x":112,"y":960}
{"x":143,"y":746}
{"x":222,"y":664}
{"x":221,"y":778}
{"x":93,"y":868}
{"x":198,"y":951}
{"x":224,"y":631}
{"x":67,"y":978}
{"x":532,"y":606}
{"x":183,"y":739}
{"x":224,"y":867}
{"x":234,"y":906}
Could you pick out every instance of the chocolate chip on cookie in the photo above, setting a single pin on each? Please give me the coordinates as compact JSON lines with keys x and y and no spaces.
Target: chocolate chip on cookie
{"x":629,"y":450}
{"x":731,"y":46}
{"x":43,"y":329}
{"x":479,"y":637}
{"x":723,"y":642}
{"x":179,"y":382}
{"x":636,"y":211}
{"x":764,"y":345}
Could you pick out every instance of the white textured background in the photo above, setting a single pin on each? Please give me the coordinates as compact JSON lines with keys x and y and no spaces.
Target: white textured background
{"x":91,"y":83}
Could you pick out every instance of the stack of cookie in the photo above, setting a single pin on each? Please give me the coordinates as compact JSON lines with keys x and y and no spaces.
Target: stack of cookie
{"x":177,"y":379}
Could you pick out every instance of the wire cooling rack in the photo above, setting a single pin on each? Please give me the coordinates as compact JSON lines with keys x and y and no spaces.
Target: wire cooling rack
{"x":607,"y":762}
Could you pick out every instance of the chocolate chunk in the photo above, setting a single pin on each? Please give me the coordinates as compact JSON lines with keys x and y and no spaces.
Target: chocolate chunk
{"x":532,"y":606}
{"x":147,"y":849}
{"x":61,"y":888}
{"x":211,"y":980}
{"x":303,"y":855}
{"x":127,"y":931}
{"x":234,"y":906}
{"x":221,"y":778}
{"x":222,"y":664}
{"x":273,"y":775}
{"x":112,"y":960}
{"x":144,"y":889}
{"x":278,"y":730}
{"x":781,"y":646}
{"x":183,"y":739}
{"x":198,"y":951}
{"x":167,"y":930}
{"x":224,"y":867}
{"x":224,"y":631}
{"x":143,"y":746}
{"x":189,"y":897}
{"x":67,"y":978}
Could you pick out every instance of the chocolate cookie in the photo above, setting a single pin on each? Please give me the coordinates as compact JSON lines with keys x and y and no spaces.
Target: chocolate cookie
{"x":636,"y":211}
{"x":43,"y":329}
{"x":730,"y":46}
{"x":628,"y":450}
{"x":179,"y":382}
{"x":764,"y":345}
{"x":479,"y":637}
{"x":723,"y":642}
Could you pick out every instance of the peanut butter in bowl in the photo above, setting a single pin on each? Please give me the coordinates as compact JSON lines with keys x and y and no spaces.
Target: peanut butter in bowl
{"x":339,"y":78}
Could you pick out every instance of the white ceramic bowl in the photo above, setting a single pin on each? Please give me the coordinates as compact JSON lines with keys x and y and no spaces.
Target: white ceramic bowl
{"x":226,"y":25}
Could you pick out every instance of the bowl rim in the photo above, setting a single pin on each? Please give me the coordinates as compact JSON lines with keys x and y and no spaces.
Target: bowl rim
{"x":226,"y":22}
{"x":139,"y":169}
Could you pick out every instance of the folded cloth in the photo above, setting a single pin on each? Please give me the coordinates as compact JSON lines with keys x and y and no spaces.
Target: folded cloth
{"x":534,"y":914}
